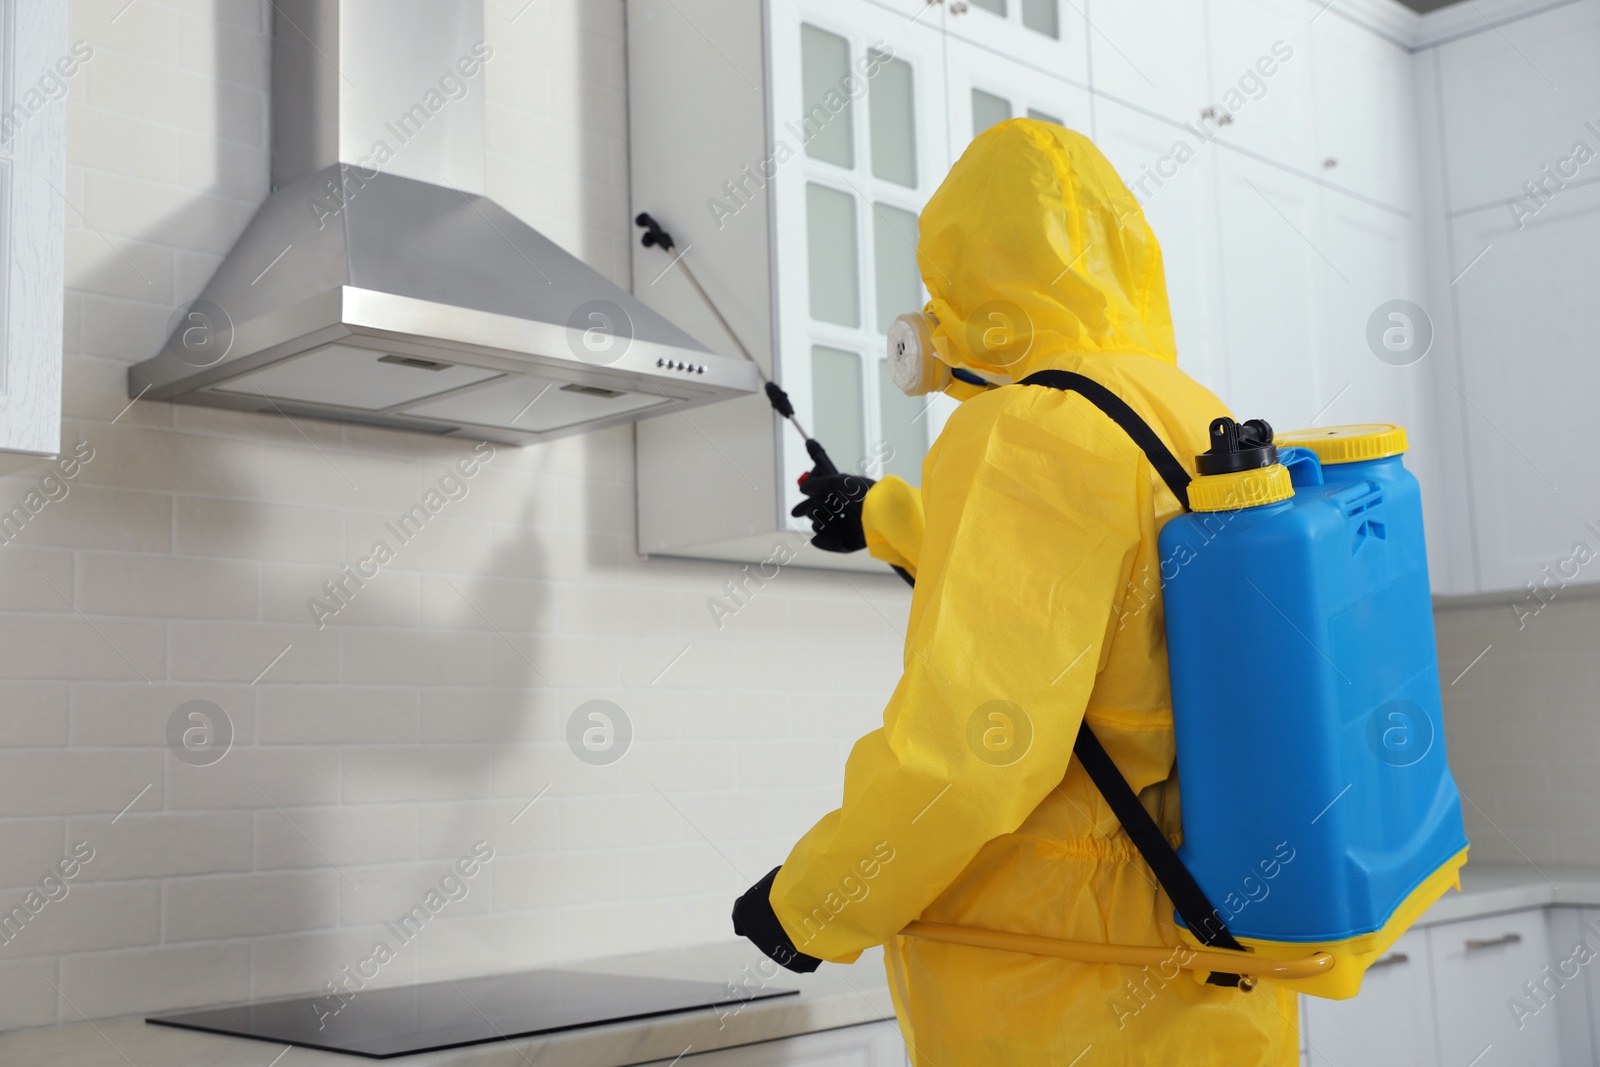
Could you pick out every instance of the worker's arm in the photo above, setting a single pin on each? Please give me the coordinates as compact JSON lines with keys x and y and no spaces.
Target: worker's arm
{"x":1029,"y":534}
{"x":892,"y":520}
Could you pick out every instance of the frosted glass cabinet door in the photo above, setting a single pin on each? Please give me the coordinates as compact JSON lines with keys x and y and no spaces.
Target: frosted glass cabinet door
{"x":852,"y":209}
{"x":33,"y":39}
{"x":984,"y":91}
{"x":1047,"y":35}
{"x":833,"y":254}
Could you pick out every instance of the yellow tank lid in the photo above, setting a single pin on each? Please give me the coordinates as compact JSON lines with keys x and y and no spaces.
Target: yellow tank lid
{"x":1347,"y":444}
{"x":1240,"y":489}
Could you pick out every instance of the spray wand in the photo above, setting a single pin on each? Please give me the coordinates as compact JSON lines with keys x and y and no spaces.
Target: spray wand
{"x":656,"y":237}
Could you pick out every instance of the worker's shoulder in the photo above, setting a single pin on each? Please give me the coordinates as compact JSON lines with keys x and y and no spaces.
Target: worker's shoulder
{"x":1155,"y":390}
{"x":1178,"y":408}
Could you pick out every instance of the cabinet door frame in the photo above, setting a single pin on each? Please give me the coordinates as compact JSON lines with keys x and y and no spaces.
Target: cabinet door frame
{"x":1399,"y":983}
{"x":33,"y":36}
{"x":1007,"y":41}
{"x":919,"y":42}
{"x":1477,"y":967}
{"x":1025,"y":89}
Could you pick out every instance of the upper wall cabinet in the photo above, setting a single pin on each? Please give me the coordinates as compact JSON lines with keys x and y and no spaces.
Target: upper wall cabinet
{"x":1163,"y":73}
{"x":1366,"y":141}
{"x":1527,"y":388}
{"x":1179,"y":201}
{"x":984,"y":92}
{"x":1261,"y":79}
{"x":797,"y":208}
{"x":1517,"y":99}
{"x":1048,"y":35}
{"x":1517,"y":250}
{"x":35,"y":63}
{"x":847,"y":207}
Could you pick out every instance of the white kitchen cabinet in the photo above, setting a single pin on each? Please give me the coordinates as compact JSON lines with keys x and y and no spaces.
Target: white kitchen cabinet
{"x":797,"y":210}
{"x":1378,"y":255}
{"x":802,"y":222}
{"x":1479,"y":967}
{"x":1517,"y":98}
{"x":1527,"y":320}
{"x":1261,"y":78}
{"x":1366,"y":141}
{"x":35,"y":62}
{"x":867,"y":1045}
{"x":1573,"y":953}
{"x":1275,"y":271}
{"x":851,"y":208}
{"x":1388,"y":1024}
{"x":1171,"y":171}
{"x":1161,"y":72}
{"x":1047,"y":35}
{"x":984,"y":92}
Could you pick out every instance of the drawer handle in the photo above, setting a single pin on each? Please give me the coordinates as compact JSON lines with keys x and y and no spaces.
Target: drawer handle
{"x":1491,"y":942}
{"x":1390,"y":960}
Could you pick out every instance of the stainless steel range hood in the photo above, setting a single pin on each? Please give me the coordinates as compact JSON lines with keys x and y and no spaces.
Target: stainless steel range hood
{"x":378,"y":285}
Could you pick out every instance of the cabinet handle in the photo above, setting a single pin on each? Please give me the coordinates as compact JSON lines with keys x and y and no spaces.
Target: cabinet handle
{"x":1329,"y":163}
{"x":1389,"y":961}
{"x":1491,"y":942}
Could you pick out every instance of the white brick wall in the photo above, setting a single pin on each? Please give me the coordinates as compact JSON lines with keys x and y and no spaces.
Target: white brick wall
{"x":430,"y":711}
{"x":1524,"y":737}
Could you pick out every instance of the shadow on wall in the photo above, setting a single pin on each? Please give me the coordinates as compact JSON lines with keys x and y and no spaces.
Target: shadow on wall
{"x":341,"y":760}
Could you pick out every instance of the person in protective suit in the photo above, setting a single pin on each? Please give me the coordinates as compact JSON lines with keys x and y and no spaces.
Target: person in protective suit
{"x":1033,"y":546}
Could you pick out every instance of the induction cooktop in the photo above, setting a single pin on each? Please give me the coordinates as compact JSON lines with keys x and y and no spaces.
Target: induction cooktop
{"x":382,"y":1023}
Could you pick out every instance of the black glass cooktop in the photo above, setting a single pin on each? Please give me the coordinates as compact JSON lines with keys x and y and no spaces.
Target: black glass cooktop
{"x":381,"y":1023}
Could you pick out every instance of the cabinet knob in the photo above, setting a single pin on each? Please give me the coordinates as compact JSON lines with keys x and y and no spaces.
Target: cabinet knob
{"x":1221,"y":118}
{"x":1329,"y":163}
{"x":958,"y":7}
{"x":1475,"y":943}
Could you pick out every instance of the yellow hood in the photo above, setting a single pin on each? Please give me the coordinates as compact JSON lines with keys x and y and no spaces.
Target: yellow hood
{"x":1035,"y":252}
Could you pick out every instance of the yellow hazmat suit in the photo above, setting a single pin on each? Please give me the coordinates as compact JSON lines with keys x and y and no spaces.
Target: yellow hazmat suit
{"x":1037,"y":603}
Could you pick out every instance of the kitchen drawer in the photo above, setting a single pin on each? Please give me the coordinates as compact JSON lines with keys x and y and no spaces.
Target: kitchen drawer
{"x":1389,"y":1024}
{"x":1479,"y":970}
{"x":868,"y":1045}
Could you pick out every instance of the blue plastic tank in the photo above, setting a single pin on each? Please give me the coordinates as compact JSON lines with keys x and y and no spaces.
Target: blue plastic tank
{"x":1318,"y":806}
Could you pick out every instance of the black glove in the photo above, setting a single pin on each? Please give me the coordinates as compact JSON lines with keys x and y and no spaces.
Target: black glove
{"x":833,"y":504}
{"x":753,"y":918}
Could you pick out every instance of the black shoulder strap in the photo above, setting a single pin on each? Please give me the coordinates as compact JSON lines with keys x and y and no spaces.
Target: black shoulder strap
{"x":1117,"y":410}
{"x":1203,"y":920}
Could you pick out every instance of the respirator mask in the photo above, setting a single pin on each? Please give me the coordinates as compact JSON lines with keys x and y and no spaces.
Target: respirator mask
{"x":916,"y":368}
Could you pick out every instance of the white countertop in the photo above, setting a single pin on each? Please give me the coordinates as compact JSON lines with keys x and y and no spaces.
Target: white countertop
{"x":832,"y":997}
{"x":1488,"y":888}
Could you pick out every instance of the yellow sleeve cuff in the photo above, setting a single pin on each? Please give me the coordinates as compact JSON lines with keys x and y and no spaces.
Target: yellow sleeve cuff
{"x":892,"y":518}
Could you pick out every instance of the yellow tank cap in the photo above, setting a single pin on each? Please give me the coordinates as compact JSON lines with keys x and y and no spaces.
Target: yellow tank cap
{"x":1347,"y":444}
{"x":1240,"y":489}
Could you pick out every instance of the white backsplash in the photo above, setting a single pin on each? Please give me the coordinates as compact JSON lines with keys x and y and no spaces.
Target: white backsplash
{"x":176,"y":563}
{"x":1523,"y":723}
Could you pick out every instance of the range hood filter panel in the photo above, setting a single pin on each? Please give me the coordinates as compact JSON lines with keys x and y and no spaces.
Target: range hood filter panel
{"x":353,"y":378}
{"x":534,"y":404}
